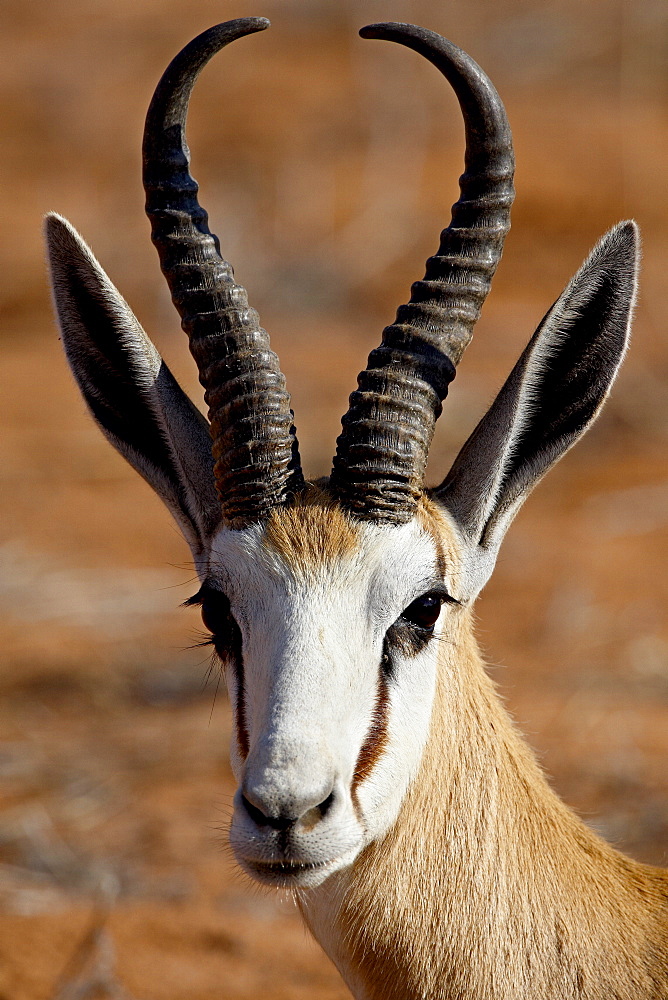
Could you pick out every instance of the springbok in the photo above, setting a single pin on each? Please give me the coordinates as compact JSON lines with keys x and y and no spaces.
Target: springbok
{"x":379,"y":776}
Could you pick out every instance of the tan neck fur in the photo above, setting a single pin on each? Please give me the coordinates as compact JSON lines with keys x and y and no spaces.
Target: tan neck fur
{"x":487,"y":886}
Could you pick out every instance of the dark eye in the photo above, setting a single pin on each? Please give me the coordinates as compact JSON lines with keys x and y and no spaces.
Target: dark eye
{"x":215,"y":610}
{"x":424,"y":612}
{"x":218,"y":619}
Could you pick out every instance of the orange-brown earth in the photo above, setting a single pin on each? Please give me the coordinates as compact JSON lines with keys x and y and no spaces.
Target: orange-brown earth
{"x":328,"y":166}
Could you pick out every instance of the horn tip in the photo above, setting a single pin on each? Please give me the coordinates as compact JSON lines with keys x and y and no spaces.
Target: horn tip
{"x":393,"y":30}
{"x":258,"y":23}
{"x":237,"y":28}
{"x":379,"y":29}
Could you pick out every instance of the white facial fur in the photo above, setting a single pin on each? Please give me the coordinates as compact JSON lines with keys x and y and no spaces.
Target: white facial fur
{"x":313,"y":634}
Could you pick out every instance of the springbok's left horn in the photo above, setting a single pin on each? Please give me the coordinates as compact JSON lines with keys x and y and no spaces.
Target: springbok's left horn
{"x":255,"y":449}
{"x":382,"y":451}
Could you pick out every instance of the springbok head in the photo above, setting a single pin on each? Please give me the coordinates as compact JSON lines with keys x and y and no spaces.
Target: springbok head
{"x":325,"y":600}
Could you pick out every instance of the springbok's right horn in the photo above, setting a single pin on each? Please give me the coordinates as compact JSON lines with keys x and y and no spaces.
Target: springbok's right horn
{"x":382,"y":451}
{"x":254,"y":443}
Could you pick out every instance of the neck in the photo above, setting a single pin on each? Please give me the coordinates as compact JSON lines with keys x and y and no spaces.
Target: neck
{"x":487,"y":886}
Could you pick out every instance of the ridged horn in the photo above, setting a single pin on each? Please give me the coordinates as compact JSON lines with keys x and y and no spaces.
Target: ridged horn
{"x":382,"y":451}
{"x":253,"y":438}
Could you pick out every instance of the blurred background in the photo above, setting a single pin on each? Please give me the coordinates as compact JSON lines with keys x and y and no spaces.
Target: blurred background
{"x":328,"y":166}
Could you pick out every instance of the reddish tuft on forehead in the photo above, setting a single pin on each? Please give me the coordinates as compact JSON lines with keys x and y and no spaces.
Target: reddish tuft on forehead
{"x":313,"y":531}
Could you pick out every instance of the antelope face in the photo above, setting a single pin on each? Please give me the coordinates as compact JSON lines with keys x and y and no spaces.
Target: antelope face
{"x":329,"y":631}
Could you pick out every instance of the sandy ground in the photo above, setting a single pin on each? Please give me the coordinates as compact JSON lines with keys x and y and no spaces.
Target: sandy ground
{"x":328,"y":166}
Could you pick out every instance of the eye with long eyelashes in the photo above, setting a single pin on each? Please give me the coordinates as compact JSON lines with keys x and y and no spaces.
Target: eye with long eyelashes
{"x":414,"y":628}
{"x":423,"y":612}
{"x":218,"y":619}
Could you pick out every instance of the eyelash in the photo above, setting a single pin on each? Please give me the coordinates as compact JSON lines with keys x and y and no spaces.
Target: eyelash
{"x":207,"y":639}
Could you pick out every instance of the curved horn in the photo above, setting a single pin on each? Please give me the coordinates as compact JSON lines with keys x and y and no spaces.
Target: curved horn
{"x":382,"y":451}
{"x":254,"y":443}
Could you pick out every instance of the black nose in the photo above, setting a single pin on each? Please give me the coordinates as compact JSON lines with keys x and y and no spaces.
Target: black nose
{"x":264,"y":814}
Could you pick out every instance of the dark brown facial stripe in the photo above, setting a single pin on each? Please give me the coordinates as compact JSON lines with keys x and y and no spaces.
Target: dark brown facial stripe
{"x":376,"y":739}
{"x":242,"y":732}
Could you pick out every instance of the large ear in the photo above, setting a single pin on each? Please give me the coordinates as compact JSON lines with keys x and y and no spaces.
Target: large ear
{"x":128,"y":388}
{"x":553,"y":394}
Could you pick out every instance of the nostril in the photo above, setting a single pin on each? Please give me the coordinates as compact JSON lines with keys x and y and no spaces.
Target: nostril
{"x":255,"y":814}
{"x":313,"y":816}
{"x":325,"y":806}
{"x":280,"y":822}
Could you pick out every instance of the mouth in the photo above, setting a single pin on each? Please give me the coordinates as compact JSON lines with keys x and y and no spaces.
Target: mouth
{"x":285,"y":873}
